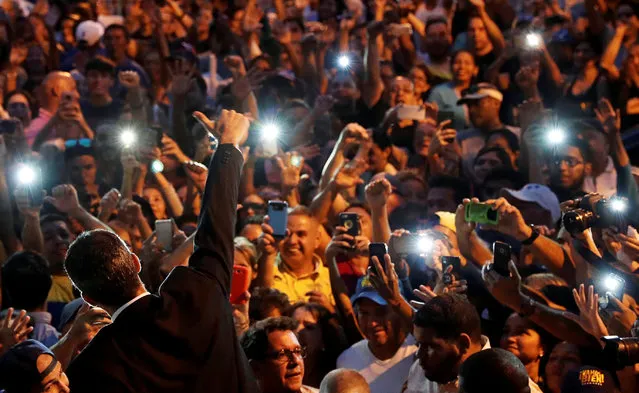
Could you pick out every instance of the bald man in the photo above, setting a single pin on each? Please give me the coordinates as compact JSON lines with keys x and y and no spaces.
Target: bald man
{"x":344,"y":380}
{"x":60,"y":115}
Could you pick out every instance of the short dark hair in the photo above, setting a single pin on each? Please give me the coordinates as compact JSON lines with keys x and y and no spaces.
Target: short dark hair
{"x":434,"y":20}
{"x":100,"y":64}
{"x":254,"y":341}
{"x":264,"y":300}
{"x":117,"y":26}
{"x":493,"y":370}
{"x":101,"y":267}
{"x":580,"y":144}
{"x":381,"y":139}
{"x":509,"y":136}
{"x":52,"y":217}
{"x":449,"y":316}
{"x":508,"y":174}
{"x":460,"y":186}
{"x":501,"y":153}
{"x":26,"y":281}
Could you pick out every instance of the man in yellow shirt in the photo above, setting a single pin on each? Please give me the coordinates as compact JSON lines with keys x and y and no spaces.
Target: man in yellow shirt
{"x":290,"y":265}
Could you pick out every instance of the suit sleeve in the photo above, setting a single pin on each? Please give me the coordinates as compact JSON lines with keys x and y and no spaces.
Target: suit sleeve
{"x":213,"y":255}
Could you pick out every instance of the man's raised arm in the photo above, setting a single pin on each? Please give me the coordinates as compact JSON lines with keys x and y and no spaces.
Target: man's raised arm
{"x":213,"y":254}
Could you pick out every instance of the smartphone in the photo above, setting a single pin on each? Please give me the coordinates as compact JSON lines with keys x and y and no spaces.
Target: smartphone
{"x":8,"y":126}
{"x":400,"y":29}
{"x":157,"y":136}
{"x":239,"y":283}
{"x":164,"y":233}
{"x":501,"y":257}
{"x":350,"y":221}
{"x":411,"y":112}
{"x":445,"y":115}
{"x":269,"y":147}
{"x":278,"y":215}
{"x":376,"y":250}
{"x":450,"y":261}
{"x":481,"y":213}
{"x":413,"y":244}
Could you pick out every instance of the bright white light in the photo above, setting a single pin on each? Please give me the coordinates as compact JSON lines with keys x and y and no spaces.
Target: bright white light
{"x":618,"y":205}
{"x":556,"y":136}
{"x":296,"y":161}
{"x":533,"y":40}
{"x":157,"y":166}
{"x":343,"y":61}
{"x":425,"y":245}
{"x":26,"y":174}
{"x":128,"y":138}
{"x":270,"y":131}
{"x":611,"y":283}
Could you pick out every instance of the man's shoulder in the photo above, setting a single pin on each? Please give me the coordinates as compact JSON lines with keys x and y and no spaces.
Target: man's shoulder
{"x":354,"y":356}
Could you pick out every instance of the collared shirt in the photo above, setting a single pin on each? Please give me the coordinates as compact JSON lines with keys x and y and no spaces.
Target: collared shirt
{"x":127,"y":304}
{"x":37,"y":125}
{"x":417,"y":382}
{"x":42,"y":329}
{"x":296,"y":287}
{"x":604,"y":184}
{"x":308,"y":389}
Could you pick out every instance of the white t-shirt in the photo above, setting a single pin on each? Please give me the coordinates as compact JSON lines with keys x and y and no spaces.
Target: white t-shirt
{"x":417,"y":382}
{"x":383,"y":376}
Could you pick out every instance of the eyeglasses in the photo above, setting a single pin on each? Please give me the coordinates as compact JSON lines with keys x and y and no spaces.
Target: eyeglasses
{"x":84,"y":142}
{"x":570,"y":161}
{"x":285,"y":355}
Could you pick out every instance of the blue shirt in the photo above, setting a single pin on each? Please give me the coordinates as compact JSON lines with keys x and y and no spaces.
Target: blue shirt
{"x":446,"y":99}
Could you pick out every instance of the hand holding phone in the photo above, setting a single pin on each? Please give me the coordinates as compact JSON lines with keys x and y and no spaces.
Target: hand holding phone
{"x":411,"y":112}
{"x":376,"y":250}
{"x":350,"y":221}
{"x":164,"y":233}
{"x":278,"y":216}
{"x":447,"y":261}
{"x":481,"y":213}
{"x":240,"y":283}
{"x":501,"y":258}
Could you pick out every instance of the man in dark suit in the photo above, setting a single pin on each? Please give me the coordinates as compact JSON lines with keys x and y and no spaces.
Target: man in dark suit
{"x":182,"y":339}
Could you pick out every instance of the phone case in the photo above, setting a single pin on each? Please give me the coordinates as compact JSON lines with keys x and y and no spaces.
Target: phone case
{"x":350,"y":221}
{"x":411,"y":112}
{"x":164,"y":232}
{"x":240,"y":283}
{"x":501,"y":258}
{"x":376,"y":250}
{"x":481,"y":213}
{"x":278,"y":215}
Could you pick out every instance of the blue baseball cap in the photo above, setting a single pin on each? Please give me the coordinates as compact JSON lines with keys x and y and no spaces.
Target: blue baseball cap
{"x":18,"y":366}
{"x":365,"y":290}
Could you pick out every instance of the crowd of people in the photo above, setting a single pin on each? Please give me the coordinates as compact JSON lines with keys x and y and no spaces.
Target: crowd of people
{"x":380,"y":196}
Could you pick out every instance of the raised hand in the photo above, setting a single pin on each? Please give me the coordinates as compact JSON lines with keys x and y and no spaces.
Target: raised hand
{"x":351,"y":134}
{"x":64,"y":198}
{"x":346,"y":177}
{"x":507,"y":290}
{"x":232,"y":127}
{"x":385,"y":280}
{"x":87,"y":324}
{"x":290,"y":166}
{"x":609,"y":118}
{"x":182,"y":80}
{"x":14,"y":331}
{"x":321,"y":299}
{"x":109,"y":202}
{"x":129,"y":79}
{"x":198,"y":173}
{"x":171,"y":148}
{"x":266,"y":243}
{"x":588,"y":305}
{"x":375,"y":28}
{"x":511,"y":222}
{"x":235,"y":65}
{"x":25,"y":206}
{"x":130,"y":212}
{"x":243,"y":85}
{"x":377,"y":193}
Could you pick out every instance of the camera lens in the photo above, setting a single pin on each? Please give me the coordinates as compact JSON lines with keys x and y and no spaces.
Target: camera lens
{"x":577,"y":221}
{"x":621,"y":352}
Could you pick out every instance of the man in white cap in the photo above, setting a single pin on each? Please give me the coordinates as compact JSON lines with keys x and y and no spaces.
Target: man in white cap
{"x":483,"y":101}
{"x":537,"y":203}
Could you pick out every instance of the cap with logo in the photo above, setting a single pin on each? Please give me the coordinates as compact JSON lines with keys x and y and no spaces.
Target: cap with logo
{"x":365,"y":290}
{"x":479,"y":91}
{"x":90,"y":32}
{"x":588,"y":380}
{"x":19,"y":369}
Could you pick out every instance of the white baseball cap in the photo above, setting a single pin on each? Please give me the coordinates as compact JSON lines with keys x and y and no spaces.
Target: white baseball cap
{"x":90,"y":32}
{"x":540,"y":195}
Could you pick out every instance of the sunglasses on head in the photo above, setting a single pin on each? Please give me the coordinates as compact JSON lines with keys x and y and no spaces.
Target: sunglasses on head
{"x":84,"y":142}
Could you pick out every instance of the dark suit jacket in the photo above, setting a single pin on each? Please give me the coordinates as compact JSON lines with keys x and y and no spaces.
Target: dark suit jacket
{"x":182,"y":339}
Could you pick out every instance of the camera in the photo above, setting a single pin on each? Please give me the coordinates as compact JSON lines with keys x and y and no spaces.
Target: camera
{"x":620,"y":352}
{"x":604,"y":213}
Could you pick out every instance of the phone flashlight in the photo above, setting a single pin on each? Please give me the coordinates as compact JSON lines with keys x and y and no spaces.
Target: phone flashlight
{"x":612,"y":283}
{"x":128,"y":138}
{"x":26,"y":174}
{"x":556,"y":136}
{"x":296,"y":161}
{"x":424,"y":244}
{"x":157,"y":166}
{"x":533,"y":40}
{"x":343,"y":61}
{"x":270,"y":131}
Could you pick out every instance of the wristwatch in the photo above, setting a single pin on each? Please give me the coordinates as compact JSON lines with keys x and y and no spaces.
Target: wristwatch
{"x":534,"y":234}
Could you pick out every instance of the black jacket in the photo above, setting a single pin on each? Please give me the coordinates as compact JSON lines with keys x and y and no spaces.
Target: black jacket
{"x":182,"y":339}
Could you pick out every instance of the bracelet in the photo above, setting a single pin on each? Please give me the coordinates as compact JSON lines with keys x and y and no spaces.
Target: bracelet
{"x":534,"y":234}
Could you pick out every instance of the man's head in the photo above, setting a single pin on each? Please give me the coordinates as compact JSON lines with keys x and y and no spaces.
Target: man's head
{"x":57,"y":237}
{"x":478,"y":36}
{"x":81,"y":166}
{"x":507,"y":140}
{"x":26,"y":281}
{"x":627,"y":16}
{"x":537,"y":204}
{"x":483,"y":101}
{"x":31,"y":367}
{"x":570,"y":164}
{"x":593,"y":133}
{"x":438,"y":39}
{"x":379,"y":152}
{"x":445,"y":193}
{"x":266,"y":303}
{"x":402,"y":92}
{"x":379,"y":323}
{"x":100,"y":76}
{"x":344,"y":380}
{"x":448,"y":331}
{"x":55,"y":85}
{"x":116,"y":41}
{"x":344,"y":88}
{"x":493,"y":370}
{"x":103,"y":269}
{"x":298,"y":247}
{"x":275,"y":355}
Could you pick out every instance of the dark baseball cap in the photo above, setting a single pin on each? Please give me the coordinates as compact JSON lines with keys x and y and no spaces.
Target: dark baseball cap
{"x":18,"y":367}
{"x":588,"y":380}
